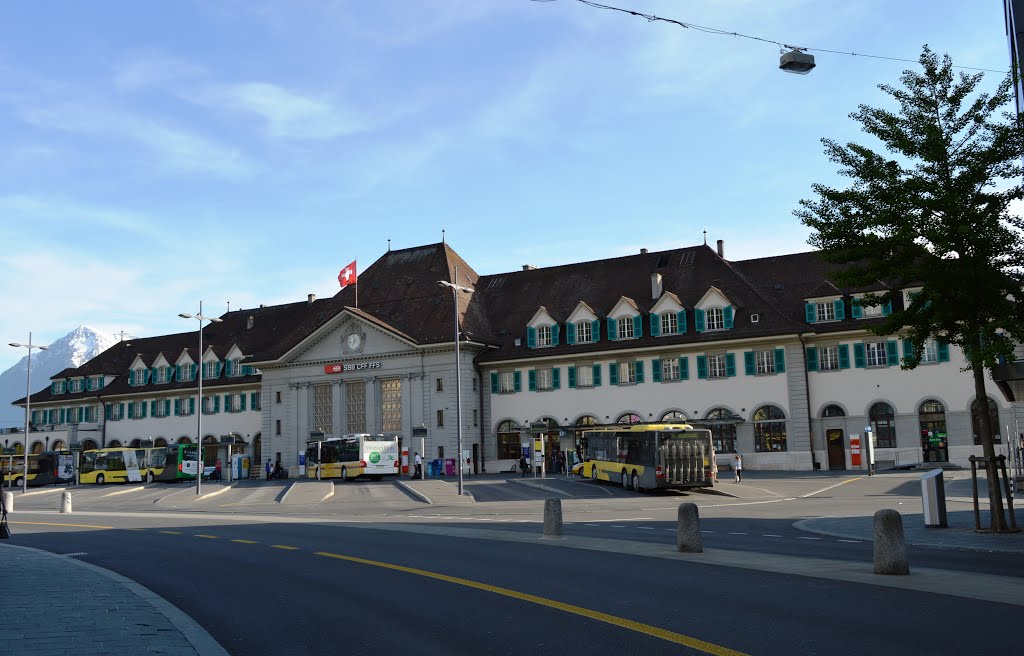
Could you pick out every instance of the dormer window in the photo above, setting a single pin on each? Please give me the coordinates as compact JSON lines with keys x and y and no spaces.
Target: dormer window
{"x":820,"y":311}
{"x":584,"y":332}
{"x":714,"y":319}
{"x":57,"y":387}
{"x":137,"y":377}
{"x":543,"y":335}
{"x":624,"y":328}
{"x":162,"y":374}
{"x":211,"y":370}
{"x":870,"y":311}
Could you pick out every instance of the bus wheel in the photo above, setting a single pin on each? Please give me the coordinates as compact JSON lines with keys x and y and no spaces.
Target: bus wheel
{"x":625,"y":480}
{"x":99,"y":479}
{"x":150,"y":477}
{"x":344,"y":474}
{"x":17,"y":482}
{"x":636,"y":482}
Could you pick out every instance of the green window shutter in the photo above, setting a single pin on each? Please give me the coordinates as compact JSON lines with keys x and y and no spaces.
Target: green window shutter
{"x":681,"y":320}
{"x":892,"y":354}
{"x":639,"y":371}
{"x":857,"y":310}
{"x":63,"y":415}
{"x":192,"y":406}
{"x":698,"y":320}
{"x":597,"y":375}
{"x":780,"y":361}
{"x":531,"y":377}
{"x":570,"y":333}
{"x":727,"y":313}
{"x":53,"y":388}
{"x":844,"y":356}
{"x":144,"y":410}
{"x":656,"y":369}
{"x":572,"y":377}
{"x":556,"y":378}
{"x":517,"y":381}
{"x":859,"y":360}
{"x":810,"y":312}
{"x":230,"y":366}
{"x":638,"y":326}
{"x":655,"y":325}
{"x":177,"y":407}
{"x":120,"y":414}
{"x":943,"y":348}
{"x":152,"y":407}
{"x":613,"y":373}
{"x":613,"y":329}
{"x":684,"y":368}
{"x":812,"y":358}
{"x":887,"y":309}
{"x":595,"y":330}
{"x":908,"y":349}
{"x":216,"y":403}
{"x":554,"y":334}
{"x":494,"y":382}
{"x":131,"y":376}
{"x":702,"y":367}
{"x":177,"y":372}
{"x":730,"y":364}
{"x":150,"y":375}
{"x":749,"y":367}
{"x":167,"y":407}
{"x":131,"y":410}
{"x":531,"y":337}
{"x":219,"y":370}
{"x":241,"y":402}
{"x":840,"y":309}
{"x":107,"y":411}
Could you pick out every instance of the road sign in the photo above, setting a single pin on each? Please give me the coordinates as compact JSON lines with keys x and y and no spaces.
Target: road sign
{"x":73,"y":447}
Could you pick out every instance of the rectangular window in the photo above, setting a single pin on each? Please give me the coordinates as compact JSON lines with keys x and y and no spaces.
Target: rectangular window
{"x":584,"y":334}
{"x":670,"y":369}
{"x":931,"y":352}
{"x":236,"y":367}
{"x":714,"y":319}
{"x":871,"y":310}
{"x":439,"y":385}
{"x":209,"y":405}
{"x":186,"y":372}
{"x":391,"y":405}
{"x":669,"y":323}
{"x":765,"y":362}
{"x":475,"y":417}
{"x":138,"y":408}
{"x":584,"y":375}
{"x":277,"y":427}
{"x":543,"y":335}
{"x":209,"y":370}
{"x":323,"y":409}
{"x":624,"y":326}
{"x":158,"y":409}
{"x":506,"y":382}
{"x":355,"y":406}
{"x":161,"y":374}
{"x":544,"y":379}
{"x":828,"y":358}
{"x":90,"y":414}
{"x":875,"y":352}
{"x":115,"y":412}
{"x":186,"y":406}
{"x":255,"y":401}
{"x":440,"y":419}
{"x":627,"y":373}
{"x":825,"y":311}
{"x":277,"y":397}
{"x":716,"y":366}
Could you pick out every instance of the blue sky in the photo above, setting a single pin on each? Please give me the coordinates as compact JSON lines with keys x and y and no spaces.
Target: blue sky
{"x":159,"y":154}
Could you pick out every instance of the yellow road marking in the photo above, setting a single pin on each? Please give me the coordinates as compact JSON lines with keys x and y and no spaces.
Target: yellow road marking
{"x":208,"y":537}
{"x":59,"y":524}
{"x":171,"y":532}
{"x":639,"y":627}
{"x":246,"y":541}
{"x":285,"y":547}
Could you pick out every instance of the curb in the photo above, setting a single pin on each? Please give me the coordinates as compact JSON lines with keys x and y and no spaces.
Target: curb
{"x":127,"y":490}
{"x":192,"y":631}
{"x":213,"y":494}
{"x":287,"y":492}
{"x":539,"y":486}
{"x":802,"y":525}
{"x":329,"y":494}
{"x":414,"y":492}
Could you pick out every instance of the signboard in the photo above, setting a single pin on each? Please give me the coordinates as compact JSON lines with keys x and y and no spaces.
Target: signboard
{"x":131,"y":463}
{"x":302,"y":464}
{"x":350,"y":366}
{"x":188,"y":460}
{"x":855,"y":450}
{"x":419,"y":431}
{"x":66,"y":466}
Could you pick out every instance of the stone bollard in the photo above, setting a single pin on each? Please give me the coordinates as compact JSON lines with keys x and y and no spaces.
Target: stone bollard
{"x":890,"y":547}
{"x":552,"y":518}
{"x":9,"y":501}
{"x":688,"y":538}
{"x":65,"y":502}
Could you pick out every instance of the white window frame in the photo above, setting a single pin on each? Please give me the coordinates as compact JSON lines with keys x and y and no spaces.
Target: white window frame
{"x":716,"y":365}
{"x":828,"y":358}
{"x":209,"y":369}
{"x":714,"y":319}
{"x":236,"y":403}
{"x":159,"y":409}
{"x":670,"y":369}
{"x":185,"y":405}
{"x":544,"y":379}
{"x":137,"y":409}
{"x":115,"y":412}
{"x":584,"y":332}
{"x":824,"y":311}
{"x":627,"y":373}
{"x":584,"y":375}
{"x":543,"y":335}
{"x":624,"y":328}
{"x":669,"y":324}
{"x":161,"y":374}
{"x":506,"y":382}
{"x":930,"y":354}
{"x":140,"y":377}
{"x":875,"y":354}
{"x":765,"y":362}
{"x":871,"y":311}
{"x":207,"y":405}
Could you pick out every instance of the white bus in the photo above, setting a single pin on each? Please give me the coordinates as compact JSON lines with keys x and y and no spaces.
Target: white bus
{"x":351,"y":456}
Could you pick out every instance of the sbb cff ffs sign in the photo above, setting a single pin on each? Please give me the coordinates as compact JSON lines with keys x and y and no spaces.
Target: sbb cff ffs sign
{"x":350,"y":366}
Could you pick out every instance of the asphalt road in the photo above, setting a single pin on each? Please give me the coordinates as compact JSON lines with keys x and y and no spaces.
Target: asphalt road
{"x":263,"y":588}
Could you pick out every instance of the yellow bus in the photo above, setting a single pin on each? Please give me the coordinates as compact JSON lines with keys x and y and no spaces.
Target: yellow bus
{"x":122,"y":465}
{"x":648,"y":456}
{"x":352,"y":456}
{"x":44,"y":468}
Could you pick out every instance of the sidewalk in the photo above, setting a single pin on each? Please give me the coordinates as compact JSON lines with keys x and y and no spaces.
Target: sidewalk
{"x":55,"y":605}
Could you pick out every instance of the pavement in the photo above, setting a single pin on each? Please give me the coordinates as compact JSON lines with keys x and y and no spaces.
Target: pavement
{"x":56,"y":605}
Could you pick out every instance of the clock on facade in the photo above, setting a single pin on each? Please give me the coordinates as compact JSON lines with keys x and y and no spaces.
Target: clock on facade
{"x":353,"y":341}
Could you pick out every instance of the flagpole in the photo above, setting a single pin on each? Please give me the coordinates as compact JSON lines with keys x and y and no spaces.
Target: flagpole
{"x":357,"y":283}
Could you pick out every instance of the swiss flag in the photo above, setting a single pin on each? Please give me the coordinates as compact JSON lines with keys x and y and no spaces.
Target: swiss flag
{"x":347,"y":275}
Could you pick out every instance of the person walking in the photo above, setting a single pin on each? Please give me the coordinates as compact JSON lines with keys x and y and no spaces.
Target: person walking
{"x":269,"y":468}
{"x":418,"y":468}
{"x":522,"y":464}
{"x":737,"y":466}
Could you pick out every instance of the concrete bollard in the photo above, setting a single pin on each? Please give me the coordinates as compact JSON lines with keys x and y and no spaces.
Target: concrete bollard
{"x":890,"y":547}
{"x":65,"y":502}
{"x":688,"y":538}
{"x":9,"y":501}
{"x":552,"y":518}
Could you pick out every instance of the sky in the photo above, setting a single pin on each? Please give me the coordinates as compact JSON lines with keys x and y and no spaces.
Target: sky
{"x":155,"y":155}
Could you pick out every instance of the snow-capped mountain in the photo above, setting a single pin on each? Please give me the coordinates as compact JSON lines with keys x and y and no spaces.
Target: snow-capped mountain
{"x":77,"y":347}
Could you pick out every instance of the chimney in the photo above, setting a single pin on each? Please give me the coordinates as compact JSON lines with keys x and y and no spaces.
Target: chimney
{"x":250,"y":322}
{"x":721,"y":249}
{"x":529,"y":267}
{"x":655,"y":286}
{"x":643,"y":251}
{"x":263,"y":305}
{"x":310,"y":298}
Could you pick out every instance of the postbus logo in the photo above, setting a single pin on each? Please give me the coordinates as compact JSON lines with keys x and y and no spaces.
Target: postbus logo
{"x":374,"y":457}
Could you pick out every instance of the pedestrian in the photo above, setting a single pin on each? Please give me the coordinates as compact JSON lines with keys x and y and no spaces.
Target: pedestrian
{"x":270,"y":470}
{"x":522,"y":464}
{"x":418,"y":467}
{"x":217,"y":470}
{"x":278,"y":470}
{"x":737,"y":465}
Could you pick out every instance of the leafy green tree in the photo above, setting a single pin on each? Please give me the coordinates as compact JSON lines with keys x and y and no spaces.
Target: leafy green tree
{"x":934,"y":211}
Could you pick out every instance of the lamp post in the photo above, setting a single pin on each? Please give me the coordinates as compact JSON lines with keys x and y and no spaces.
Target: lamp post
{"x":458,"y":365}
{"x":199,"y":393}
{"x":28,"y":403}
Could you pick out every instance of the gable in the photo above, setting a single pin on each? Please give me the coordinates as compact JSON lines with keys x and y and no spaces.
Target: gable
{"x":349,"y":338}
{"x":160,"y":361}
{"x":713,"y":297}
{"x":138,"y":363}
{"x":184,"y":358}
{"x":668,"y":302}
{"x":583,"y":312}
{"x":234,"y":353}
{"x":626,"y":307}
{"x":541,"y":318}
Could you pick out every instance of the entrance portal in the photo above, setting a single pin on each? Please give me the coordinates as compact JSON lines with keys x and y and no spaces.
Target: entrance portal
{"x":836,"y":448}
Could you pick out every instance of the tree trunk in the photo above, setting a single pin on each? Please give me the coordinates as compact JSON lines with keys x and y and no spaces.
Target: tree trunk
{"x":995,"y":490}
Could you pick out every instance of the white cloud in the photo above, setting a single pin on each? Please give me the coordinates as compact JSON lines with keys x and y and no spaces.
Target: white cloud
{"x":152,"y":71}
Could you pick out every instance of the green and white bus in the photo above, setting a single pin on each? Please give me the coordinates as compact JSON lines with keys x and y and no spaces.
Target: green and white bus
{"x":352,"y":456}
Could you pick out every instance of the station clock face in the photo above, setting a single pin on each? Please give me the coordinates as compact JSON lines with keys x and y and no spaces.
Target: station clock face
{"x":353,"y":341}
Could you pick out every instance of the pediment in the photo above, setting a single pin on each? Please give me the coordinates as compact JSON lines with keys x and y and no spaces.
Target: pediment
{"x":138,"y":363}
{"x":583,"y":312}
{"x":713,"y":297}
{"x":541,"y":318}
{"x":626,"y":307}
{"x":349,"y":336}
{"x":668,"y":302}
{"x":184,"y":358}
{"x":234,"y":353}
{"x":160,"y":361}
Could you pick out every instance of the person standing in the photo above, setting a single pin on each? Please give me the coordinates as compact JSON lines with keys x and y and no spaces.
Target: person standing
{"x":737,"y":466}
{"x":522,"y":464}
{"x":217,"y":470}
{"x":418,"y":466}
{"x":269,"y":468}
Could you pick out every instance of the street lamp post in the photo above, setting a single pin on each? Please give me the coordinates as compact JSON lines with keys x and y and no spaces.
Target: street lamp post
{"x":28,"y":403}
{"x":458,"y":365}
{"x":199,"y":393}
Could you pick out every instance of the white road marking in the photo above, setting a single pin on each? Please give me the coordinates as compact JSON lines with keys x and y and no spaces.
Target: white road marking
{"x":646,"y":528}
{"x":851,"y":541}
{"x":801,"y":537}
{"x":770,"y":535}
{"x":826,"y":489}
{"x":707,"y":531}
{"x":733,"y":533}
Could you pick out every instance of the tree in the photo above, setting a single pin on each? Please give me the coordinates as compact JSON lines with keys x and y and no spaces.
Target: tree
{"x":933,"y":212}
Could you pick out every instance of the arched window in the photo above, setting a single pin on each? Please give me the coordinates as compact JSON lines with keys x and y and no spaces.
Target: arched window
{"x":883,"y":424}
{"x":184,"y":440}
{"x":58,"y":446}
{"x":114,"y":444}
{"x":993,"y":412}
{"x":934,"y":439}
{"x":769,"y":429}
{"x":587,"y":420}
{"x":134,"y":444}
{"x":508,"y":439}
{"x":833,"y":410}
{"x":629,"y":418}
{"x":19,"y":449}
{"x":88,"y":445}
{"x":673,"y":415}
{"x":160,"y":442}
{"x":37,"y":447}
{"x":723,"y":432}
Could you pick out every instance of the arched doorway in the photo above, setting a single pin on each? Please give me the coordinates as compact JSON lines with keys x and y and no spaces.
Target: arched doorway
{"x":769,"y":429}
{"x":59,"y":446}
{"x":552,"y":445}
{"x":209,"y":450}
{"x":256,"y":464}
{"x":993,"y":413}
{"x":629,"y":418}
{"x":135,"y":444}
{"x":114,"y":444}
{"x":835,"y":445}
{"x":184,"y":439}
{"x":37,"y":447}
{"x":722,"y":425}
{"x":160,"y":442}
{"x":509,"y":436}
{"x":883,"y":424}
{"x":89,"y":445}
{"x":674,"y":415}
{"x":934,"y":439}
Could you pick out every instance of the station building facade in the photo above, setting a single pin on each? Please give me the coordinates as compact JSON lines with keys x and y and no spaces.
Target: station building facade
{"x":767,"y":353}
